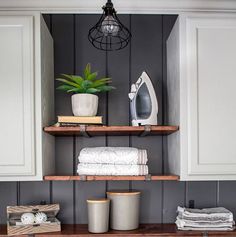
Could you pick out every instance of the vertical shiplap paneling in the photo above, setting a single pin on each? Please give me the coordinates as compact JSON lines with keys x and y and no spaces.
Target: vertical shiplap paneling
{"x":204,"y":193}
{"x":63,"y":35}
{"x":146,"y":54}
{"x":86,"y":53}
{"x":151,"y":201}
{"x":170,"y":189}
{"x":118,"y":103}
{"x":84,"y":191}
{"x":227,"y":195}
{"x":173,"y":196}
{"x":8,"y":197}
{"x":33,"y":193}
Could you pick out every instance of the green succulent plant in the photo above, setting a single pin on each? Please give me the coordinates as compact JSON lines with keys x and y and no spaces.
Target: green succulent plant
{"x":88,"y":83}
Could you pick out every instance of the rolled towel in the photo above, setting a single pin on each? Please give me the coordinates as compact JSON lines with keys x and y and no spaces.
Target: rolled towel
{"x":113,"y":155}
{"x":116,"y":170}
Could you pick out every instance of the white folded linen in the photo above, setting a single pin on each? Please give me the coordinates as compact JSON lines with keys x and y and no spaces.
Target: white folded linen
{"x":108,"y":169}
{"x":113,"y":155}
{"x":206,"y":218}
{"x":217,"y":213}
{"x":207,"y":229}
{"x":184,"y":223}
{"x":219,"y":219}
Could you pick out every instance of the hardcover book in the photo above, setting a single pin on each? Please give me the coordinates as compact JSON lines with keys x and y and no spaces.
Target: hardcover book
{"x":79,"y":120}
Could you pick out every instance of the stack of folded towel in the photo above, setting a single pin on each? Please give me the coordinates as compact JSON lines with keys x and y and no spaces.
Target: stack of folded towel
{"x":217,"y":219}
{"x":112,"y":161}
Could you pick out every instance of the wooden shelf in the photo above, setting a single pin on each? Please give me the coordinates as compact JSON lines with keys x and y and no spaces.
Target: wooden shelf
{"x":111,"y":130}
{"x":120,"y":178}
{"x":162,"y":230}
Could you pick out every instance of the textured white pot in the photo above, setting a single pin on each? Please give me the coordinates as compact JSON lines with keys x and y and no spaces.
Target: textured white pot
{"x":84,"y":104}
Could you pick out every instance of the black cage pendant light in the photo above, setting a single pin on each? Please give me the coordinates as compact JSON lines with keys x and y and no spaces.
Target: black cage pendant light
{"x":109,"y":33}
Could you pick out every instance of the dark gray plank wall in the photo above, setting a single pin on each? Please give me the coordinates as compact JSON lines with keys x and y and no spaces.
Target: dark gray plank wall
{"x":62,"y":29}
{"x":146,"y":52}
{"x":84,"y":53}
{"x":118,"y":67}
{"x":8,"y":196}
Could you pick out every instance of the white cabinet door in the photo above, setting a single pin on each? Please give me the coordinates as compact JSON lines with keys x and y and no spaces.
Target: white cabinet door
{"x":17,"y":144}
{"x":211,"y":95}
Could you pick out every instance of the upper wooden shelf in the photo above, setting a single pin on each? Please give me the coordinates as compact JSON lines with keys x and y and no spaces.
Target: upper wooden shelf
{"x":111,"y":130}
{"x":110,"y":178}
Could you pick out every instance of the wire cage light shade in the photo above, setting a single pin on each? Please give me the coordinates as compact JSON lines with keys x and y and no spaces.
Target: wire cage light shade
{"x":109,"y":33}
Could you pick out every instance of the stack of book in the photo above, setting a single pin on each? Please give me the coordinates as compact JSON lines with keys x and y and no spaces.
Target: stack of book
{"x":73,"y":121}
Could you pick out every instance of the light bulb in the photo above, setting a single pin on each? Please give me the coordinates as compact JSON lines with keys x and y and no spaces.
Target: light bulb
{"x":110,"y":26}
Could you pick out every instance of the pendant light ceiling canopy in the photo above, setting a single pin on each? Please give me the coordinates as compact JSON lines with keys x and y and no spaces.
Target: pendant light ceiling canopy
{"x":109,"y":33}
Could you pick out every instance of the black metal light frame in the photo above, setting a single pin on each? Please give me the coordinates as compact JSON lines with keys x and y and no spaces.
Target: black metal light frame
{"x":109,"y":42}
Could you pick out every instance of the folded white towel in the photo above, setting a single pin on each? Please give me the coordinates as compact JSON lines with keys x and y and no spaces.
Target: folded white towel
{"x":204,"y":211}
{"x":184,"y":223}
{"x":204,"y":220}
{"x":113,"y":155}
{"x":218,"y":213}
{"x":218,"y":218}
{"x":106,"y":169}
{"x":207,"y":229}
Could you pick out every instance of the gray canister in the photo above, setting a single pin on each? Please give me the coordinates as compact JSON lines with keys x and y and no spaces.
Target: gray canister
{"x":98,"y":215}
{"x":124,"y":210}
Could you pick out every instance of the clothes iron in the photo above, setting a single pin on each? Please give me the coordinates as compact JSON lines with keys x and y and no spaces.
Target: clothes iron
{"x":143,"y":102}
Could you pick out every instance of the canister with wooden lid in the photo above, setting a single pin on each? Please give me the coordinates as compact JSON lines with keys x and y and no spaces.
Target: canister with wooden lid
{"x":98,"y":215}
{"x":124,"y":209}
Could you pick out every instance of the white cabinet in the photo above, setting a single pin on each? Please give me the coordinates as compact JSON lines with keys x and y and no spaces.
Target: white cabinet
{"x":201,"y":51}
{"x":26,"y":97}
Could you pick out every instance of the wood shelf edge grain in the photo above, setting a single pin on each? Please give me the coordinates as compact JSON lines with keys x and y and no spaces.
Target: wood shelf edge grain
{"x":169,"y":230}
{"x":120,"y":178}
{"x":111,"y":130}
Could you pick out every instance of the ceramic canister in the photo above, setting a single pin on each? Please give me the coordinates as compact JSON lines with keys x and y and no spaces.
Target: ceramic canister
{"x":98,"y":215}
{"x":124,"y":210}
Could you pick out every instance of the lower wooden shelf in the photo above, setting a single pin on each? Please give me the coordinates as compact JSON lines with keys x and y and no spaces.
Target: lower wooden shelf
{"x":120,"y":178}
{"x":144,"y":230}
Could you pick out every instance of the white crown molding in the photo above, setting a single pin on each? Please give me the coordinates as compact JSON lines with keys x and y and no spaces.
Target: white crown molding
{"x":122,"y":6}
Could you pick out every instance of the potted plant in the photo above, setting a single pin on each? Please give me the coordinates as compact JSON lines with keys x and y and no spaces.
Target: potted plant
{"x":84,"y":101}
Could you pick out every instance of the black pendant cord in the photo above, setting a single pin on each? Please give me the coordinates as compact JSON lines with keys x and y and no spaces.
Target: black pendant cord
{"x":107,"y":111}
{"x":108,"y":8}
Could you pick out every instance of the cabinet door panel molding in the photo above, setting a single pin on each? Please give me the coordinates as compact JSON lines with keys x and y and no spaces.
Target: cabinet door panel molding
{"x":17,"y":101}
